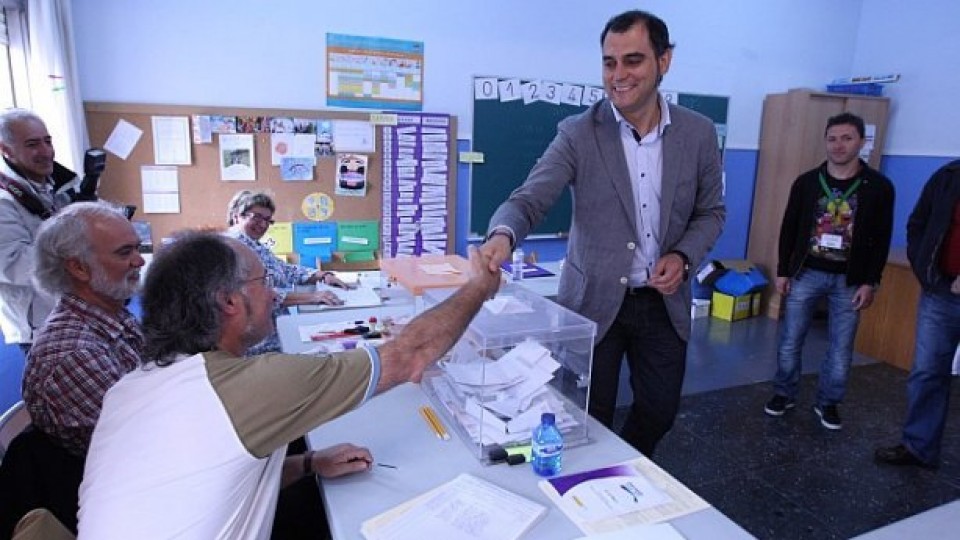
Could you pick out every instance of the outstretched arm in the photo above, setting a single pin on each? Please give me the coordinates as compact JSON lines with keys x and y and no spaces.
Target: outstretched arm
{"x":431,"y":334}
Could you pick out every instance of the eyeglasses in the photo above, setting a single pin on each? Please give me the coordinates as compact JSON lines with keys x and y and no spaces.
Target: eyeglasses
{"x":268,"y":280}
{"x":259,"y":217}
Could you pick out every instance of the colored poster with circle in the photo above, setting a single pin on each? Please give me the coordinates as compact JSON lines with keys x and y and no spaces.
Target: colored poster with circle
{"x":317,"y":206}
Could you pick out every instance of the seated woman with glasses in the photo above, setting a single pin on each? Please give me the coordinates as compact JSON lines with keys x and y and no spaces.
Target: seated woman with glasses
{"x":249,"y":215}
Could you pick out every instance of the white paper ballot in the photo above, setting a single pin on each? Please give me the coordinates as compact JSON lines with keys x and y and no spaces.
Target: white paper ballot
{"x":123,"y":138}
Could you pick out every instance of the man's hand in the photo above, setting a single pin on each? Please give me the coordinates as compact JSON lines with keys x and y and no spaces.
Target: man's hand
{"x":431,"y":334}
{"x":863,"y":297}
{"x":955,"y":287}
{"x":341,"y":459}
{"x":667,"y":274}
{"x":334,"y":281}
{"x":783,"y":285}
{"x":326,"y":297}
{"x":483,"y":272}
{"x":496,"y":250}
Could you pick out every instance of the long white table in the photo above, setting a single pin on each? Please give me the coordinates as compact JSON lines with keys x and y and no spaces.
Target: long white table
{"x":391,"y":427}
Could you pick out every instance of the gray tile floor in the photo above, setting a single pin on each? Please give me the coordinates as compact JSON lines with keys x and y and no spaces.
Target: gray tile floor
{"x":790,"y":477}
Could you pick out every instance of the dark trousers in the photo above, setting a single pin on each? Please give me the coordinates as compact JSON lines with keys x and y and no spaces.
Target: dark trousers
{"x":300,"y":513}
{"x":657,"y":358}
{"x":36,"y":472}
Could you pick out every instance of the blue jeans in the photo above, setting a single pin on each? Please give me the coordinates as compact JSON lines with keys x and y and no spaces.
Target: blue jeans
{"x":805,"y":289}
{"x":928,"y":388}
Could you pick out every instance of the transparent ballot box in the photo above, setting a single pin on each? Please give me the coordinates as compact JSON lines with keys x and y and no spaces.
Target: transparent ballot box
{"x":521,"y":356}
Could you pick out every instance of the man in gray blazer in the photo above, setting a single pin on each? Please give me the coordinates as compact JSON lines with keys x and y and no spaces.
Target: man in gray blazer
{"x":647,"y":207}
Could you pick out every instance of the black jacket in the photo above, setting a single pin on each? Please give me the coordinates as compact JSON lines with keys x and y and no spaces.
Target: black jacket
{"x":928,"y":225}
{"x":871,"y":234}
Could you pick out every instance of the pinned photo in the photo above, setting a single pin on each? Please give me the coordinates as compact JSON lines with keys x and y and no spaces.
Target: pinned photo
{"x":351,"y":175}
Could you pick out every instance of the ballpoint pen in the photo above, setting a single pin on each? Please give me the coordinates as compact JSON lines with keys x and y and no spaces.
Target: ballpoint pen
{"x":378,"y":464}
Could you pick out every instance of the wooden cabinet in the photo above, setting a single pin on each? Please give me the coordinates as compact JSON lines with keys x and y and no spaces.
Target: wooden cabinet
{"x":887,"y":329}
{"x":792,"y":142}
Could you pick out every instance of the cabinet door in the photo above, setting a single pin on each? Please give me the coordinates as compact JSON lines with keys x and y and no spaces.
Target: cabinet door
{"x":792,"y":142}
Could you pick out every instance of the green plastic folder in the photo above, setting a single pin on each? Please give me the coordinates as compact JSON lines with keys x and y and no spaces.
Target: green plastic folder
{"x":358,"y":240}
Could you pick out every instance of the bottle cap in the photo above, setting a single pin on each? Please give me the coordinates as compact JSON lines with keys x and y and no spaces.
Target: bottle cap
{"x":548,"y":418}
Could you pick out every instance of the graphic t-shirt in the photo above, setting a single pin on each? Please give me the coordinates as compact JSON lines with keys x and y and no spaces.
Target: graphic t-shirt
{"x":832,"y":231}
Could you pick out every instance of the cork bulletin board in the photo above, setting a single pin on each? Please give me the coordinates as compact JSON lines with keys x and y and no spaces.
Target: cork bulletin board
{"x":204,"y":196}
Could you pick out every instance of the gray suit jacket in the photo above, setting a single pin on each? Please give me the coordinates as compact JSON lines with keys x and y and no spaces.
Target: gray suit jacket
{"x":587,"y":156}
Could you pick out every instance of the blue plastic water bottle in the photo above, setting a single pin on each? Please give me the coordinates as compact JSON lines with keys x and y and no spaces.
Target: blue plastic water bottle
{"x":546,"y":446}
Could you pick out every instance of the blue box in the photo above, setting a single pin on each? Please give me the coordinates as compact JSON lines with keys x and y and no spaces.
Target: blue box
{"x":865,"y":89}
{"x":740,"y":283}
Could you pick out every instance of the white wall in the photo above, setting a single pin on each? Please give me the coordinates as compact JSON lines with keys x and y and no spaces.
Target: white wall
{"x":264,"y":53}
{"x":921,"y":41}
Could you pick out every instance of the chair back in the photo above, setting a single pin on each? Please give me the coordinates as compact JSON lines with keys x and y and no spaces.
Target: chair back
{"x":12,"y":423}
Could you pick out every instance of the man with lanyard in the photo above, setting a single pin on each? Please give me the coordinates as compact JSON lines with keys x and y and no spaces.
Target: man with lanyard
{"x":834,"y":242}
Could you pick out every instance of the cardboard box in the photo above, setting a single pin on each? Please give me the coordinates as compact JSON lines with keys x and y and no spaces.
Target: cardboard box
{"x":699,"y":308}
{"x":735,"y":308}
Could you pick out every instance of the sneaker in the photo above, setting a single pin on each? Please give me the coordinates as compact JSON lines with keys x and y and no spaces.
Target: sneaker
{"x":778,"y":405}
{"x":829,"y":416}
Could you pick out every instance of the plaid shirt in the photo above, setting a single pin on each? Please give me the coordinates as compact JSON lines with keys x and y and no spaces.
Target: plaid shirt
{"x":285,"y":275}
{"x":77,"y":356}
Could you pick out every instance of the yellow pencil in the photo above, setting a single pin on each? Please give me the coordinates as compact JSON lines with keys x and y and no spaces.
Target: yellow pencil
{"x":436,"y":419}
{"x":434,"y":423}
{"x":429,"y":421}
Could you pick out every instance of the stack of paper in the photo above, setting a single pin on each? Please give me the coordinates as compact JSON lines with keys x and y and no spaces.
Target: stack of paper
{"x":466,"y":507}
{"x":361,"y":296}
{"x":621,"y":496}
{"x":501,"y":401}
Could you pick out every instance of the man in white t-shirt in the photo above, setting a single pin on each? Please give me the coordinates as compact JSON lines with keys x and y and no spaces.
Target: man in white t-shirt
{"x":192,"y":444}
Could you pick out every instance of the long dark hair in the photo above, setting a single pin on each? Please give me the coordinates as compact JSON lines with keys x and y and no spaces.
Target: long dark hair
{"x":182,"y":294}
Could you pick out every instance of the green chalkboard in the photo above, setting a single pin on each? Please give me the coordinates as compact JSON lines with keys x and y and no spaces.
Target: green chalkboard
{"x":513,"y":134}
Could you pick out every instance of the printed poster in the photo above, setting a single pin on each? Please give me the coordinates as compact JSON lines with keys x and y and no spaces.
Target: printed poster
{"x":374,"y":73}
{"x":236,"y":158}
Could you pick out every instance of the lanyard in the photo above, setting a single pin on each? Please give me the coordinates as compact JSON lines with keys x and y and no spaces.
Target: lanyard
{"x":842,"y":198}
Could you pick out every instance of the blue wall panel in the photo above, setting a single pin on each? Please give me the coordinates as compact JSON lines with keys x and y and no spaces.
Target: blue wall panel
{"x":908,"y":174}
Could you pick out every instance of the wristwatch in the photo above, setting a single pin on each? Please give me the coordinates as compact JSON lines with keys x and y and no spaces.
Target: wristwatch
{"x":686,"y":263}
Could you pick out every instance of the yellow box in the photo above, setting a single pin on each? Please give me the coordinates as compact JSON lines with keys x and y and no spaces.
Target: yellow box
{"x":734,"y":308}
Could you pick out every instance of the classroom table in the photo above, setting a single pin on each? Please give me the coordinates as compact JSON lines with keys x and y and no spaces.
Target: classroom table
{"x":391,"y":427}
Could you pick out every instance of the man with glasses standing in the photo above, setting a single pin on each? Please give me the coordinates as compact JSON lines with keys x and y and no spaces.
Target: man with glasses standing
{"x":249,"y":215}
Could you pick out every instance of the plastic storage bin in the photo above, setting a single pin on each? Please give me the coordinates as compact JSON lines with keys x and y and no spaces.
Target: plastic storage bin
{"x":521,"y":356}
